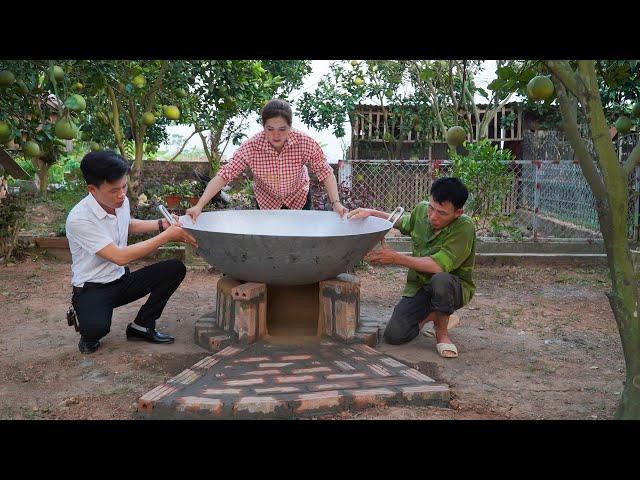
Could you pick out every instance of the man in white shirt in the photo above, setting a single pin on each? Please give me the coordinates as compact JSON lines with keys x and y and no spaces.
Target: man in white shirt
{"x":97,"y":229}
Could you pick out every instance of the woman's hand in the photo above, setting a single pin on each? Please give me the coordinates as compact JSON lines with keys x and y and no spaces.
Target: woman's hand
{"x":340,"y":209}
{"x":194,"y":212}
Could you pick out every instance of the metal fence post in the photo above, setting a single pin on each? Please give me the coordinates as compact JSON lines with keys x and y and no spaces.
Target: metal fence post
{"x":536,"y":199}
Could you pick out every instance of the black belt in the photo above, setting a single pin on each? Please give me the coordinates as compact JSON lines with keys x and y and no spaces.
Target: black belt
{"x":88,"y":285}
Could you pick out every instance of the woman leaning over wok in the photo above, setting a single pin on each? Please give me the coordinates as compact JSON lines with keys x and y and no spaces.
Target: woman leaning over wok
{"x":278,"y":158}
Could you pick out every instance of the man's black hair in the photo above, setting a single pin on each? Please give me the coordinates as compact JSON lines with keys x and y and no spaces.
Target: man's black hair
{"x":450,"y":189}
{"x":103,"y":166}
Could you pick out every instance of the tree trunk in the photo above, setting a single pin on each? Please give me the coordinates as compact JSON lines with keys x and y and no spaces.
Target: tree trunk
{"x":136,"y":173}
{"x":43,"y":176}
{"x":609,"y":186}
{"x":623,"y":299}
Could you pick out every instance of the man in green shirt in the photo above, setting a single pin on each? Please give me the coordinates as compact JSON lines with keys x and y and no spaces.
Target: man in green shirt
{"x":440,"y":276}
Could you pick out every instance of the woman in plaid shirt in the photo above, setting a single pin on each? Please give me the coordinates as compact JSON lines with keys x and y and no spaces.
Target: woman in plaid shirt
{"x":278,"y":158}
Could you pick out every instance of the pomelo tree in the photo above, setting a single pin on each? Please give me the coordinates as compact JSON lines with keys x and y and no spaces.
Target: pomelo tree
{"x":130,"y":104}
{"x":39,"y":111}
{"x":225,"y":93}
{"x":586,"y":92}
{"x":383,"y":83}
{"x":429,"y":96}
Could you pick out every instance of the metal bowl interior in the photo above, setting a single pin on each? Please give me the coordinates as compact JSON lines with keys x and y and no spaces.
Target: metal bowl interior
{"x":284,"y":247}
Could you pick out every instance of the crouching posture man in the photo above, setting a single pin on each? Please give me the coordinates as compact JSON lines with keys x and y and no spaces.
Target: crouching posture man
{"x":439,"y":280}
{"x":97,"y":229}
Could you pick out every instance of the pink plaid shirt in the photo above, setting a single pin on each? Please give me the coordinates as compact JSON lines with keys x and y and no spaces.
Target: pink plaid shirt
{"x":279,"y":178}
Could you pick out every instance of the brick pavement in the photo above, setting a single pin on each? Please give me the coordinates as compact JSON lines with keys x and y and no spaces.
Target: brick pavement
{"x":269,"y":380}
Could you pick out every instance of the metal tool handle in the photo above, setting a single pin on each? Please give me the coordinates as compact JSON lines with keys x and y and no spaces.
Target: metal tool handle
{"x":398,"y":211}
{"x":167,"y":215}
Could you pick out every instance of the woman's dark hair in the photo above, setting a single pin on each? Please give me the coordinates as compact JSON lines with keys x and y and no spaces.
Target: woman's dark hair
{"x":103,"y":166}
{"x":277,"y":108}
{"x":450,"y":189}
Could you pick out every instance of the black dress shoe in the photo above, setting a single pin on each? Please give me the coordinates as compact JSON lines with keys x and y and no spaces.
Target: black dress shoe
{"x":88,"y":346}
{"x":149,"y":335}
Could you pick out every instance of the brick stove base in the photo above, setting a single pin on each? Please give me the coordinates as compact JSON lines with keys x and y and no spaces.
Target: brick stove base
{"x":271,"y":380}
{"x":247,"y":312}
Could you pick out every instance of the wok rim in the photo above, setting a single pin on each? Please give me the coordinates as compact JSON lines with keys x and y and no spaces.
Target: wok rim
{"x":386,"y":228}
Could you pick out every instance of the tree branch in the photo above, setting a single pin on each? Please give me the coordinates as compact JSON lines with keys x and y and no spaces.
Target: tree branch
{"x":115,"y":125}
{"x":632,"y":160}
{"x":157,"y":85}
{"x":567,"y":76}
{"x":184,"y":145}
{"x":570,"y":124}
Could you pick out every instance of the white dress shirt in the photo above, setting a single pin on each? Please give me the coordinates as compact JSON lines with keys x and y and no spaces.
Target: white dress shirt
{"x":89,"y":229}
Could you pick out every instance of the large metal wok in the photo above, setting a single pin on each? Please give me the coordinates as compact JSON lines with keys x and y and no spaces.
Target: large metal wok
{"x":284,"y":247}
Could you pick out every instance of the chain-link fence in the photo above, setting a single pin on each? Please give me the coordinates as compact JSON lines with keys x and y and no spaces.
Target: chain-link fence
{"x":548,"y":199}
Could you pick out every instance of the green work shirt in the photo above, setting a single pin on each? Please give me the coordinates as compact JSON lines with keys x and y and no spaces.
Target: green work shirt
{"x":453,"y":248}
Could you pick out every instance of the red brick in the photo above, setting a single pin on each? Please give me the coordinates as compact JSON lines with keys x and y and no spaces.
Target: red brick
{"x":159,"y":392}
{"x":258,"y":404}
{"x":186,"y":377}
{"x":383,"y":372}
{"x":274,"y":365}
{"x":334,"y":386}
{"x":318,"y":401}
{"x":374,"y":396}
{"x":242,"y":383}
{"x":368,"y":338}
{"x":415,"y":374}
{"x":311,"y":370}
{"x":366,"y":349}
{"x":207,"y":362}
{"x":337,"y":376}
{"x":379,"y":382}
{"x":195,"y":404}
{"x":218,"y":340}
{"x":222,"y":391}
{"x":263,"y":372}
{"x":295,"y":357}
{"x":293,"y":379}
{"x":434,"y":391}
{"x":344,"y":366}
{"x":251,"y":360}
{"x":276,"y":390}
{"x":391,"y":362}
{"x":248,"y":291}
{"x":227,"y":352}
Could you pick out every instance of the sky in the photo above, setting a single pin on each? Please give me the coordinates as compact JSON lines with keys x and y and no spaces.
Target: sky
{"x":332,"y":146}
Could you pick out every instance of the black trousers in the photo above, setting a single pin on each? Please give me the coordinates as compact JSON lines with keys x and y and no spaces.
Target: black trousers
{"x":94,"y":303}
{"x":442,"y":294}
{"x":307,"y":205}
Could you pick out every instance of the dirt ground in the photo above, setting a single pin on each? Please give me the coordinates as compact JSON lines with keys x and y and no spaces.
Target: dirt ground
{"x":536,"y":342}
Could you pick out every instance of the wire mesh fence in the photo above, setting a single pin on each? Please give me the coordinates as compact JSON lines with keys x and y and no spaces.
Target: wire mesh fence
{"x":547,"y":200}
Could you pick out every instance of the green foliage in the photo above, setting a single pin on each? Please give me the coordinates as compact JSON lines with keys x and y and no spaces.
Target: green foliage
{"x":379,"y":82}
{"x":186,"y":188}
{"x":225,"y":93}
{"x":619,"y":85}
{"x":484,"y":169}
{"x":12,"y":210}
